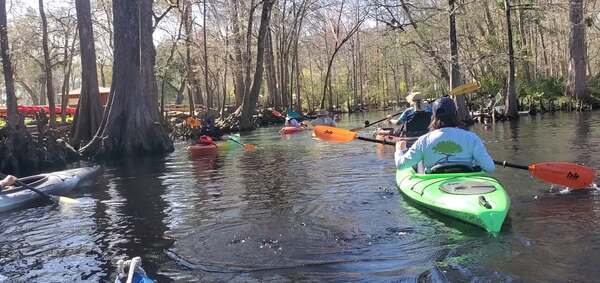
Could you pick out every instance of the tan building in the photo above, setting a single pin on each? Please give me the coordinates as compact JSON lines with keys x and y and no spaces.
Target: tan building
{"x":74,"y":96}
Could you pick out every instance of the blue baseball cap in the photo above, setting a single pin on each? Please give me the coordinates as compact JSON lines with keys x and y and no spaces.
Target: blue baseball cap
{"x":443,"y":108}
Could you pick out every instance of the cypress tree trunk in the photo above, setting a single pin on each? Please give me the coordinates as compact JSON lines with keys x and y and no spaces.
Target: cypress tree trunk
{"x":47,"y":66}
{"x":237,"y":50}
{"x":274,"y":96}
{"x":511,"y":103}
{"x":463,"y":111}
{"x":89,"y":113}
{"x":9,"y":83}
{"x":209,"y":95}
{"x":191,"y":87}
{"x":251,"y":98}
{"x":68,"y":66}
{"x":577,"y":53}
{"x":131,"y":124}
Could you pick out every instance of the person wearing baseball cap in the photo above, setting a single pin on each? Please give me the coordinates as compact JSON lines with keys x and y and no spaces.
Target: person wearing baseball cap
{"x":446,"y":144}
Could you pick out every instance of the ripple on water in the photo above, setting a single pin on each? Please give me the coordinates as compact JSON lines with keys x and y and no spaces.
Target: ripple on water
{"x":298,"y":209}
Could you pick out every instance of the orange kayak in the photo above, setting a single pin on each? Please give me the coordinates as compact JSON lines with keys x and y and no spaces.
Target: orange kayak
{"x":290,"y":130}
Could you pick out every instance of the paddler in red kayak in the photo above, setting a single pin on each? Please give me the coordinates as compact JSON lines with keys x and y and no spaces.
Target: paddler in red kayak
{"x":205,"y":140}
{"x":446,"y":145}
{"x":209,"y":129}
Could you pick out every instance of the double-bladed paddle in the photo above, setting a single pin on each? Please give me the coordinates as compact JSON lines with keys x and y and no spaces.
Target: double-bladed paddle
{"x":367,"y":124}
{"x":461,"y":89}
{"x":560,"y":173}
{"x":247,"y":146}
{"x":50,"y":198}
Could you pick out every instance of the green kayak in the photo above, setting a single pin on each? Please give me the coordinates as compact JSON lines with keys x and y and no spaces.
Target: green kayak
{"x":473,"y":197}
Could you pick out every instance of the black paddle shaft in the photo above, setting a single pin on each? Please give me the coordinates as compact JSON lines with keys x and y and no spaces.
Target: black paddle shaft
{"x":367,"y":124}
{"x":376,"y":141}
{"x":45,"y":195}
{"x":506,"y":164}
{"x":233,"y":140}
{"x":502,"y":163}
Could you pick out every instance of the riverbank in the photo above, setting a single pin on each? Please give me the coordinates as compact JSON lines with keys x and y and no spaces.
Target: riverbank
{"x":27,"y":150}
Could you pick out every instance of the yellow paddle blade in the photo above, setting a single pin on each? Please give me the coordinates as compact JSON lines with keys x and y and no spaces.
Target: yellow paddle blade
{"x":465,"y":88}
{"x":65,"y":200}
{"x":334,"y":134}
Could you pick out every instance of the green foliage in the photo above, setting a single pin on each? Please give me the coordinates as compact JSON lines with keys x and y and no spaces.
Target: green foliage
{"x":490,"y":85}
{"x":447,"y":148}
{"x":541,"y":89}
{"x":593,"y":86}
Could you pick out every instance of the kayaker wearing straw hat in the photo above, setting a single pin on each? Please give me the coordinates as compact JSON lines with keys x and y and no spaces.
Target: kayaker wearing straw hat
{"x":445,"y":144}
{"x":415,"y":99}
{"x":414,"y":121}
{"x":323,"y":119}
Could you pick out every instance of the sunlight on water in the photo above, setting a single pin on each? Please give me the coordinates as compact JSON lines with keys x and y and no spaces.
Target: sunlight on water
{"x":300,"y":209}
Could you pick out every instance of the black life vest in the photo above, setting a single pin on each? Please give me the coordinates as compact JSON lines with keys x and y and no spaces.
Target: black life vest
{"x":417,"y":125}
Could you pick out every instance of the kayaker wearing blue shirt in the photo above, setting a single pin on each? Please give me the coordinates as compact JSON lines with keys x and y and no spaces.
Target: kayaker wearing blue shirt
{"x":292,"y":122}
{"x":414,"y":121}
{"x":323,"y":119}
{"x":416,"y":103}
{"x":7,"y":181}
{"x":445,"y":144}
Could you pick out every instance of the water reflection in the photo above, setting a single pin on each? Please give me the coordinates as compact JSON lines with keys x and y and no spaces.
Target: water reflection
{"x":130,"y":218}
{"x":297,"y":209}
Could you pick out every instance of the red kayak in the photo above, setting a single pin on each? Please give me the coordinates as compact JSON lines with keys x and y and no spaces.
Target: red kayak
{"x":291,"y":130}
{"x":202,"y":150}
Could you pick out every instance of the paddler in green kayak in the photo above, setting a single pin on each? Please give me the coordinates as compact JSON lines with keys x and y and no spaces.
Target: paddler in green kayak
{"x":446,"y":143}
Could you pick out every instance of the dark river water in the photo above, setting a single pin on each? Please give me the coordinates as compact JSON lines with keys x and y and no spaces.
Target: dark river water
{"x":298,"y":209}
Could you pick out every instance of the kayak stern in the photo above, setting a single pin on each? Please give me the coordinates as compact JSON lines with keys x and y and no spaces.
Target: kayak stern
{"x":471,"y":197}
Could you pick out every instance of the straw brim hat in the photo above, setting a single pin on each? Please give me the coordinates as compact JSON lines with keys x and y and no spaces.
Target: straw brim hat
{"x":413,"y":97}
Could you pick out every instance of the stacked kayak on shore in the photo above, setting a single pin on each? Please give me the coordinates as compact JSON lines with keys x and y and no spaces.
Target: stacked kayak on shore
{"x":51,"y":183}
{"x":473,"y":197}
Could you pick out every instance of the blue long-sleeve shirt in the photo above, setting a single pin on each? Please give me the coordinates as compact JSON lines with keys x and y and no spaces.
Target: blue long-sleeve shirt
{"x":408,"y":113}
{"x":446,"y":145}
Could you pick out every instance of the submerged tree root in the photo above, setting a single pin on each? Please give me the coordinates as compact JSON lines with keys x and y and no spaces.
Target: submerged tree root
{"x":23,"y":152}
